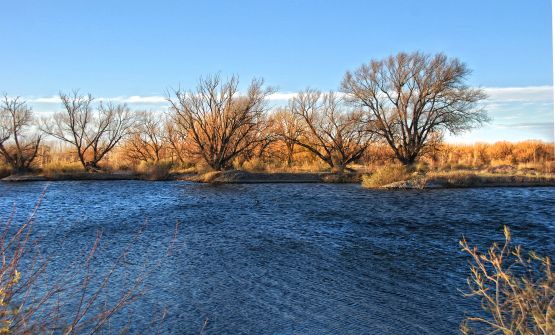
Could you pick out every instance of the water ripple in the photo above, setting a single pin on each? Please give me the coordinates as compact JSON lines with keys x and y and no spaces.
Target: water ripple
{"x":287,"y":259}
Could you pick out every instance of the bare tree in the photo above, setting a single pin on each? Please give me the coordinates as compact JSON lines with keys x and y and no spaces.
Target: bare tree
{"x":263,"y":138}
{"x":331,"y":131}
{"x":148,"y":139}
{"x":92,"y":132}
{"x":289,"y":128}
{"x":175,"y":136}
{"x":220,"y":123}
{"x":410,"y":97}
{"x":17,"y":147}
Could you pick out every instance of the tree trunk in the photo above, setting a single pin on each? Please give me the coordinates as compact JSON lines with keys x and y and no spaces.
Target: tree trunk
{"x":20,"y":170}
{"x":406,"y":160}
{"x":340,"y":168}
{"x":338,"y":163}
{"x":289,"y":155}
{"x":92,"y":166}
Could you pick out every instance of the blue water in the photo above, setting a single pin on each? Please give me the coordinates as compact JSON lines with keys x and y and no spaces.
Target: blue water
{"x":281,"y":258}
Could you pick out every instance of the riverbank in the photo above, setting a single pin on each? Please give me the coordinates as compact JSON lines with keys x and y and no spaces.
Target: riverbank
{"x":244,"y":177}
{"x":468,"y":179}
{"x":430,"y":180}
{"x":73,"y":176}
{"x":215,"y":177}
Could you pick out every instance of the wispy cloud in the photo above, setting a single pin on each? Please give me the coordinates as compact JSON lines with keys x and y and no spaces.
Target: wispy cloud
{"x":278,"y":96}
{"x":526,"y":125}
{"x":520,"y":94}
{"x":45,"y":100}
{"x":136,"y":99}
{"x":525,"y":94}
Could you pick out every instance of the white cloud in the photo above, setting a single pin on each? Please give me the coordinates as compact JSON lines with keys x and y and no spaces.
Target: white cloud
{"x":282,"y":95}
{"x":521,"y":94}
{"x":496,"y":95}
{"x":526,"y":125}
{"x":46,"y":100}
{"x":136,"y":99}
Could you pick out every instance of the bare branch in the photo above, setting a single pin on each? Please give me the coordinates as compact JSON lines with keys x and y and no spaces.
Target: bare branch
{"x":411,"y":98}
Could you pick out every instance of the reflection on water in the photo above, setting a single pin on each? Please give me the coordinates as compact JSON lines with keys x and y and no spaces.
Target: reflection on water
{"x":287,"y":258}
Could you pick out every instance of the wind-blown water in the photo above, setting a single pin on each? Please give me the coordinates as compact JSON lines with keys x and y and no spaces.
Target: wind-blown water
{"x":286,"y":258}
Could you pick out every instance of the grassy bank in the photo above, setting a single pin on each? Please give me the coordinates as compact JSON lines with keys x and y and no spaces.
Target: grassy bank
{"x":215,"y":177}
{"x":388,"y":176}
{"x":385,"y":178}
{"x":244,"y":177}
{"x":486,"y":179}
{"x":397,"y":177}
{"x":74,"y":171}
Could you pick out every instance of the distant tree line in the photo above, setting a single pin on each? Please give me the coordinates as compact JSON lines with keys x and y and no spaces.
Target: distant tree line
{"x":406,"y":102}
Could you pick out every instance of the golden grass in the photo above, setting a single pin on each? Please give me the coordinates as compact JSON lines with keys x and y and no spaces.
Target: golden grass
{"x":385,"y":175}
{"x":400,"y":177}
{"x":209,"y":177}
{"x":54,"y":170}
{"x":183,"y":170}
{"x":259,"y":165}
{"x":485,"y":179}
{"x":457,"y":178}
{"x":255,"y":165}
{"x":155,"y":170}
{"x":529,"y":158}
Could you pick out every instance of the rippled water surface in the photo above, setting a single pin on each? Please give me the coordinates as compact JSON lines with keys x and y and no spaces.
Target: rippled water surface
{"x":284,"y":258}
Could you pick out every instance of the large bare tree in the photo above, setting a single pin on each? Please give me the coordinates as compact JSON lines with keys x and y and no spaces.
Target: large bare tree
{"x":412,"y":98}
{"x":18,"y":147}
{"x":331,"y":131}
{"x":220,"y":122}
{"x":92,"y":131}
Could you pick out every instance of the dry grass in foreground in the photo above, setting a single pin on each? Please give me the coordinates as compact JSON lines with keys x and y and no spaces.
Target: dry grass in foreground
{"x":75,"y":303}
{"x":517,"y":291}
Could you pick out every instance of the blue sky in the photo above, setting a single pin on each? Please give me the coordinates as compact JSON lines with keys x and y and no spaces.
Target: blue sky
{"x":126,"y":49}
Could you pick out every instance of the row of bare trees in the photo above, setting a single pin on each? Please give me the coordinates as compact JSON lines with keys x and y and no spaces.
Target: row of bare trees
{"x":407,"y":101}
{"x":17,"y":147}
{"x":91,"y":132}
